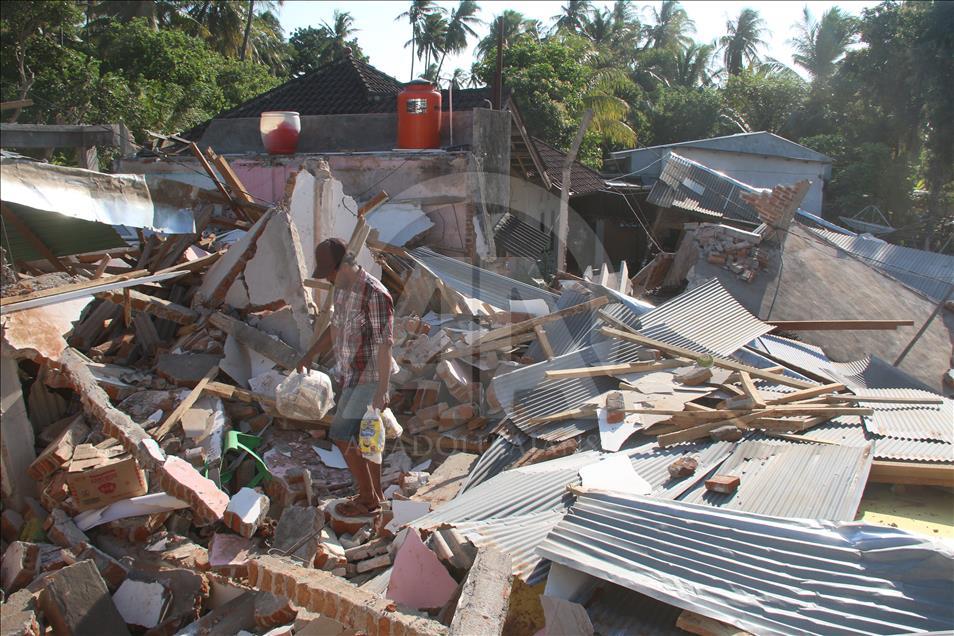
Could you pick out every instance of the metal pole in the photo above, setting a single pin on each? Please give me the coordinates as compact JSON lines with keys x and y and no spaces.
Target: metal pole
{"x":924,"y":327}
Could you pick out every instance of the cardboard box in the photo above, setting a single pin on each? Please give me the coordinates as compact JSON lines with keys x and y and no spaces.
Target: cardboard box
{"x":94,"y":485}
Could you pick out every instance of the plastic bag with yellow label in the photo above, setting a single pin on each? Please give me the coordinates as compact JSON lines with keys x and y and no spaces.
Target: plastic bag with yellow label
{"x":371,"y":435}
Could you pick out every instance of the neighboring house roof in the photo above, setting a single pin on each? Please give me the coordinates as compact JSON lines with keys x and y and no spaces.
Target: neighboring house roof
{"x":583,"y":180}
{"x":928,"y":272}
{"x":346,"y":87}
{"x":753,"y":143}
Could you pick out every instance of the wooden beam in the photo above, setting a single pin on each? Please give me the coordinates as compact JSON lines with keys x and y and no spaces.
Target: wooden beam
{"x":230,"y":392}
{"x":587,"y":410}
{"x":838,"y":325}
{"x":218,"y":184}
{"x":723,"y":363}
{"x":277,"y":351}
{"x":478,"y":349}
{"x":158,"y":307}
{"x":886,"y":399}
{"x":748,"y":387}
{"x":166,"y":427}
{"x":528,"y":325}
{"x":614,"y":369}
{"x":544,"y":342}
{"x":60,"y":136}
{"x":804,"y":394}
{"x":24,"y":230}
{"x":912,"y":473}
{"x":317,"y":283}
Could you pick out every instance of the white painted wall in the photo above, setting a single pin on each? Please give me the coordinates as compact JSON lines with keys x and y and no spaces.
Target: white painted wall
{"x":765,"y":172}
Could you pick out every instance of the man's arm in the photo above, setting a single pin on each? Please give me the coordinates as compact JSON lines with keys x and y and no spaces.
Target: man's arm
{"x":323,"y":343}
{"x":383,"y":360}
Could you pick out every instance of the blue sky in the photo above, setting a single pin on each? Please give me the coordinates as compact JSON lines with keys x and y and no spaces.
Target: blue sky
{"x":382,"y":38}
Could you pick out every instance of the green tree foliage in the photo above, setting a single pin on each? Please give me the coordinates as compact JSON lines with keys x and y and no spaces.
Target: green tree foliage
{"x":312,"y":48}
{"x":765,"y":100}
{"x":741,"y":42}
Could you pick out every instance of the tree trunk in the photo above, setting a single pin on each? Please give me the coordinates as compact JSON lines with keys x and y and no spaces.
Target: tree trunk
{"x":441,"y":64}
{"x":248,"y":29}
{"x":413,"y":50}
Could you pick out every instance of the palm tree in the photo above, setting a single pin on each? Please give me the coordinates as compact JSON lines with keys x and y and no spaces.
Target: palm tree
{"x":341,"y":29}
{"x":741,"y":43}
{"x":600,"y":28}
{"x":417,"y":17}
{"x":671,"y":26}
{"x":573,"y":16}
{"x":459,"y":29}
{"x":690,"y":65}
{"x":609,"y":111}
{"x":430,"y":41}
{"x":821,"y":44}
{"x":515,"y":24}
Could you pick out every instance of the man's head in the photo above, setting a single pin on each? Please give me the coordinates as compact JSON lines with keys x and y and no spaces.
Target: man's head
{"x":330,"y":254}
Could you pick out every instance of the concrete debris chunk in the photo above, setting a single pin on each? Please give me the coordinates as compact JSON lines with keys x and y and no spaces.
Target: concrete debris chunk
{"x":141,"y":604}
{"x":246,"y":511}
{"x":76,"y":602}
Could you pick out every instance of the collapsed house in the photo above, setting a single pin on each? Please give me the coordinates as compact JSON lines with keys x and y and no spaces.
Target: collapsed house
{"x":573,"y":458}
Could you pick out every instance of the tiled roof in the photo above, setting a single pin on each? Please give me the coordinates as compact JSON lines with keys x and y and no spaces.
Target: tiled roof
{"x":583,"y":180}
{"x":346,"y":87}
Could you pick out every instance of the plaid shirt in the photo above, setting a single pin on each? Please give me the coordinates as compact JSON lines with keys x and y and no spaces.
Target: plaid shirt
{"x":362,"y":320}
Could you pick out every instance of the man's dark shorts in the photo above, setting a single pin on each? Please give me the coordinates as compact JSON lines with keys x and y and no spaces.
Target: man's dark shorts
{"x":353,"y":402}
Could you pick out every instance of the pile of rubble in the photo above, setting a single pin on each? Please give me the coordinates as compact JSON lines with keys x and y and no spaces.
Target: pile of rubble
{"x":170,"y":496}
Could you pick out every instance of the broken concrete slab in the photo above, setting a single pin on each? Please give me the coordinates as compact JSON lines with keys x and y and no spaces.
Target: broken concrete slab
{"x":142,"y":603}
{"x":186,"y":369}
{"x":405,"y":512}
{"x":229,"y":554}
{"x":75,"y":602}
{"x":299,"y":526}
{"x":60,"y":451}
{"x":16,"y":438}
{"x":19,"y":566}
{"x":565,"y":618}
{"x":445,"y":482}
{"x":38,"y":333}
{"x":241,"y":363}
{"x":485,"y":596}
{"x":18,"y":615}
{"x":418,"y":578}
{"x":246,"y":511}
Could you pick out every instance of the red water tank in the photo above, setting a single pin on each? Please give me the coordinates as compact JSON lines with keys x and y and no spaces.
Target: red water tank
{"x":419,"y":115}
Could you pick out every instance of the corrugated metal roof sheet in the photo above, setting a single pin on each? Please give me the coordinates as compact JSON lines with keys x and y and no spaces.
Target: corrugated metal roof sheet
{"x":63,"y":235}
{"x":697,"y":188}
{"x":519,"y":537}
{"x":761,"y":574}
{"x":790,"y":479}
{"x":706,"y":319}
{"x":482,"y":284}
{"x":652,"y":464}
{"x":928,"y":272}
{"x":617,"y":611}
{"x":848,"y":431}
{"x":909,"y":421}
{"x":569,"y":333}
{"x":526,"y":393}
{"x":518,"y":238}
{"x":501,"y":453}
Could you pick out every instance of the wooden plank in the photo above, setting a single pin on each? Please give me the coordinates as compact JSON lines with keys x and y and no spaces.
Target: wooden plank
{"x":127,"y":308}
{"x":614,"y":369}
{"x":804,"y":394}
{"x":24,"y":230}
{"x":225,"y":169}
{"x":704,"y":626}
{"x":748,"y":387}
{"x":528,"y":325}
{"x":912,"y":473}
{"x":838,"y":325}
{"x":317,"y":283}
{"x":275,"y":350}
{"x":478,"y":349}
{"x":723,"y":363}
{"x":885,"y":399}
{"x":588,"y":410}
{"x":101,"y":266}
{"x":147,"y":336}
{"x":185,"y":404}
{"x":218,"y":294}
{"x":158,"y":307}
{"x":215,"y":179}
{"x":230,"y":392}
{"x":544,"y":342}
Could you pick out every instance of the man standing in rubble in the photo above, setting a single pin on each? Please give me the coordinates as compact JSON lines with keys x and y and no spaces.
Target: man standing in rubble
{"x":361,"y":335}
